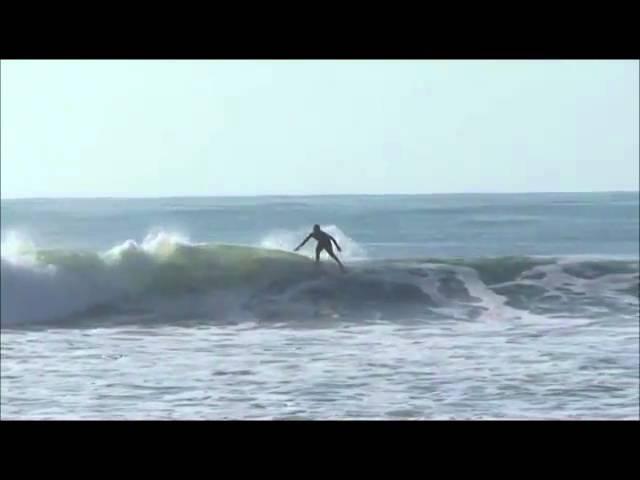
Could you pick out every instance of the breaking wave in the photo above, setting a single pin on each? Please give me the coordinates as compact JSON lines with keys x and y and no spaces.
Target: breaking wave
{"x":166,"y":278}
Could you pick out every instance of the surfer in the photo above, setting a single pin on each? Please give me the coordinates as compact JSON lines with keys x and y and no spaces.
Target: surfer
{"x":324,"y":243}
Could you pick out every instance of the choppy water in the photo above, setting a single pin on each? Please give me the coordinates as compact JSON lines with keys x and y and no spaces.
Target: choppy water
{"x":461,"y":306}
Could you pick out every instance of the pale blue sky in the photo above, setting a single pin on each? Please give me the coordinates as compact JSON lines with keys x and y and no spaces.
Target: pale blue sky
{"x":163,"y":128}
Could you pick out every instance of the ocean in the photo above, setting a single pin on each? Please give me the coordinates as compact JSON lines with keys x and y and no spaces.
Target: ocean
{"x":469,"y":306}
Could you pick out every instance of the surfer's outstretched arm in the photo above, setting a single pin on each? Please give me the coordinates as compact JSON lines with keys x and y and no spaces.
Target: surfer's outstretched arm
{"x":336,"y":243}
{"x":302,"y":244}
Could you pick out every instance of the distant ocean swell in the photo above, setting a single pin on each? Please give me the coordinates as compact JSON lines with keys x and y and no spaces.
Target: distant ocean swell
{"x":167,"y":278}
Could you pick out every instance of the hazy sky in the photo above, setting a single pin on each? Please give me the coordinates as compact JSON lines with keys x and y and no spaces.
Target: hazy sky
{"x":162,"y":128}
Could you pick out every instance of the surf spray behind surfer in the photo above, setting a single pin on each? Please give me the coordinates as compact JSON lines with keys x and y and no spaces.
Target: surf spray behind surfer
{"x":324,"y":243}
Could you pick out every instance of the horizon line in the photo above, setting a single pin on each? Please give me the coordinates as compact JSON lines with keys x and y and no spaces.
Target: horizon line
{"x":266,"y":195}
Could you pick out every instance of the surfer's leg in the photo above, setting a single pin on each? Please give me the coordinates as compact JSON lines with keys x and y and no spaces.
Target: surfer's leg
{"x":333,"y":255}
{"x":318,"y":252}
{"x":337,"y":260}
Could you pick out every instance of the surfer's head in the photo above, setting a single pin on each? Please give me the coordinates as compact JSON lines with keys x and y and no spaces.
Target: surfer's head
{"x":316,"y":228}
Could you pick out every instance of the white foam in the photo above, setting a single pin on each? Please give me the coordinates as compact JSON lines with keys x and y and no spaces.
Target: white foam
{"x":18,"y":249}
{"x":33,"y":292}
{"x":157,"y":244}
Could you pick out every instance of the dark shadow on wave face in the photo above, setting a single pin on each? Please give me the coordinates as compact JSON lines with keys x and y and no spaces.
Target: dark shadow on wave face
{"x":365,"y":291}
{"x":453,"y":288}
{"x":590,"y":270}
{"x":264,"y":314}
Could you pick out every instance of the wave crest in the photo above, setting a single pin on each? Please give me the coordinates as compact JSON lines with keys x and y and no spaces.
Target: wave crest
{"x":168,"y":277}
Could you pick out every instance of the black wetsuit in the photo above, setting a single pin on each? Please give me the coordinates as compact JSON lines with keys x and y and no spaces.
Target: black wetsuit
{"x":324,"y":243}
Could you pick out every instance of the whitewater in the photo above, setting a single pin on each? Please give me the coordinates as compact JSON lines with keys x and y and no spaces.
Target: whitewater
{"x":453,"y":306}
